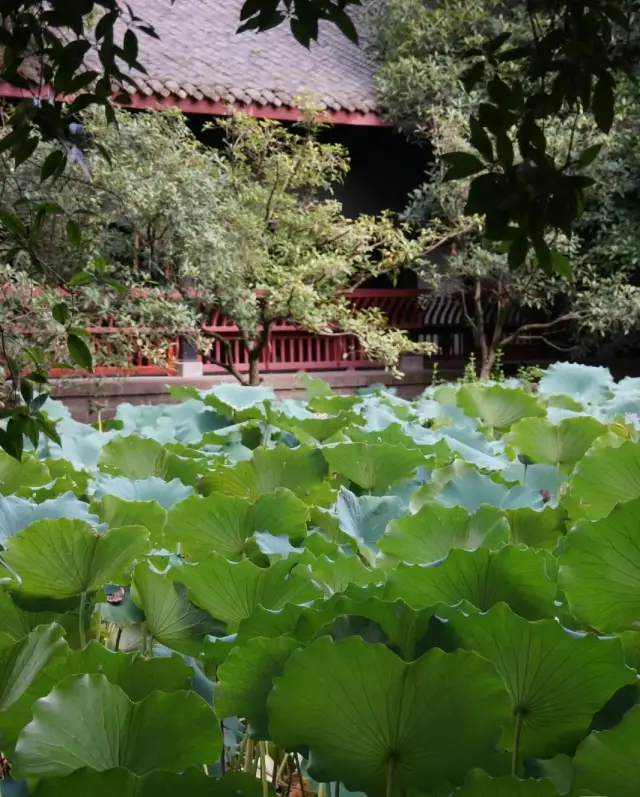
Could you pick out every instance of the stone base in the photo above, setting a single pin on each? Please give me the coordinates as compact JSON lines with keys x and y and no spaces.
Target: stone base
{"x":189,"y":369}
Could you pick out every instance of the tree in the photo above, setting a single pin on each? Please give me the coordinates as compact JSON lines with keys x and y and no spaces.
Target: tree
{"x":558,"y":58}
{"x":417,"y":83}
{"x":566,"y":62}
{"x":249,"y":231}
{"x":73,"y":55}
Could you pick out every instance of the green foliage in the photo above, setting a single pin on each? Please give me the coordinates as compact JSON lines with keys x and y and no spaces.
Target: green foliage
{"x":586,"y":290}
{"x":414,"y":582}
{"x":247,"y":233}
{"x":496,"y":83}
{"x":65,"y":57}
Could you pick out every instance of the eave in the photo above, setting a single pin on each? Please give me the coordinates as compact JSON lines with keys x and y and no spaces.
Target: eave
{"x":207,"y":107}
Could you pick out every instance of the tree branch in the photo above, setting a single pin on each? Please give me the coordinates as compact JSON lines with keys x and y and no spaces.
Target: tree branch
{"x":542,"y":327}
{"x":564,"y":349}
{"x":229,"y":365}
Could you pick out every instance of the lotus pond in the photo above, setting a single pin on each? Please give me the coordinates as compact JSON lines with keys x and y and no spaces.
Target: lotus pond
{"x":238,"y":596}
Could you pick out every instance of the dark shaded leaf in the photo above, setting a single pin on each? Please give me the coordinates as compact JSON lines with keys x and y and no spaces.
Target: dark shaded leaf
{"x":80,"y":352}
{"x":60,"y":312}
{"x":603,"y":104}
{"x":54,"y":164}
{"x":461,"y":164}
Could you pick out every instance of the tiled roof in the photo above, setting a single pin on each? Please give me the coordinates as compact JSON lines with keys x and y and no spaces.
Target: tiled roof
{"x":200,"y":56}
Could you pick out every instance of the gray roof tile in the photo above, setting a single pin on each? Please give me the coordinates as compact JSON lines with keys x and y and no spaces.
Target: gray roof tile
{"x":199,"y":52}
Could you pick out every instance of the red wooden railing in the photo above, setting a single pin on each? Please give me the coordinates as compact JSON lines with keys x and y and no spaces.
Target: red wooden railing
{"x":292,"y":349}
{"x":438,"y":319}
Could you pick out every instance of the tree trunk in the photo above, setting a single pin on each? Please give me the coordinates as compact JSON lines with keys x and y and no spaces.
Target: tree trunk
{"x":254,"y":368}
{"x":486,"y":363}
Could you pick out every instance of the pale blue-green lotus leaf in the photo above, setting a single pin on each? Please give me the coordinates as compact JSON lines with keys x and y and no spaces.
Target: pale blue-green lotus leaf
{"x":294,"y":408}
{"x":238,"y":401}
{"x":274,"y":546}
{"x":630,"y":384}
{"x":377,"y":416}
{"x":557,"y":414}
{"x":474,"y":489}
{"x":152,"y":489}
{"x":537,"y":478}
{"x":474,"y":447}
{"x":620,"y":404}
{"x":364,"y":518}
{"x":56,"y":410}
{"x":428,"y":409}
{"x":186,"y":422}
{"x":586,"y":383}
{"x":466,"y":442}
{"x":17,"y":513}
{"x":81,"y":444}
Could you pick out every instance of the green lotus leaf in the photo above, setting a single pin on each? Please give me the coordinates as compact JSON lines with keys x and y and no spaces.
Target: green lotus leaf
{"x":152,"y":489}
{"x":137,"y":676}
{"x":171,"y":619}
{"x":364,"y":518}
{"x":584,"y":383}
{"x":333,"y":405}
{"x":280,"y":513}
{"x":14,"y":475}
{"x":605,"y":477}
{"x":373,"y":467}
{"x":479,"y":784}
{"x":535,"y":528}
{"x":22,"y":662}
{"x":122,"y":783}
{"x":408,"y":716}
{"x":393,"y":623}
{"x":17,"y":513}
{"x":557,"y":680}
{"x":297,"y":469}
{"x":229,"y":591}
{"x":309,"y":427}
{"x":608,"y":762}
{"x":559,"y":770}
{"x":163,"y":731}
{"x":270,"y":623}
{"x":142,"y":458}
{"x":481,"y":577}
{"x":217,"y":523}
{"x":498,"y":407}
{"x":61,"y":558}
{"x":631,"y":647}
{"x":116,"y":512}
{"x":434,"y":530}
{"x":336,"y":575}
{"x":16,"y":622}
{"x":346,"y":614}
{"x":600,"y":569}
{"x":563,"y":443}
{"x":245,"y":680}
